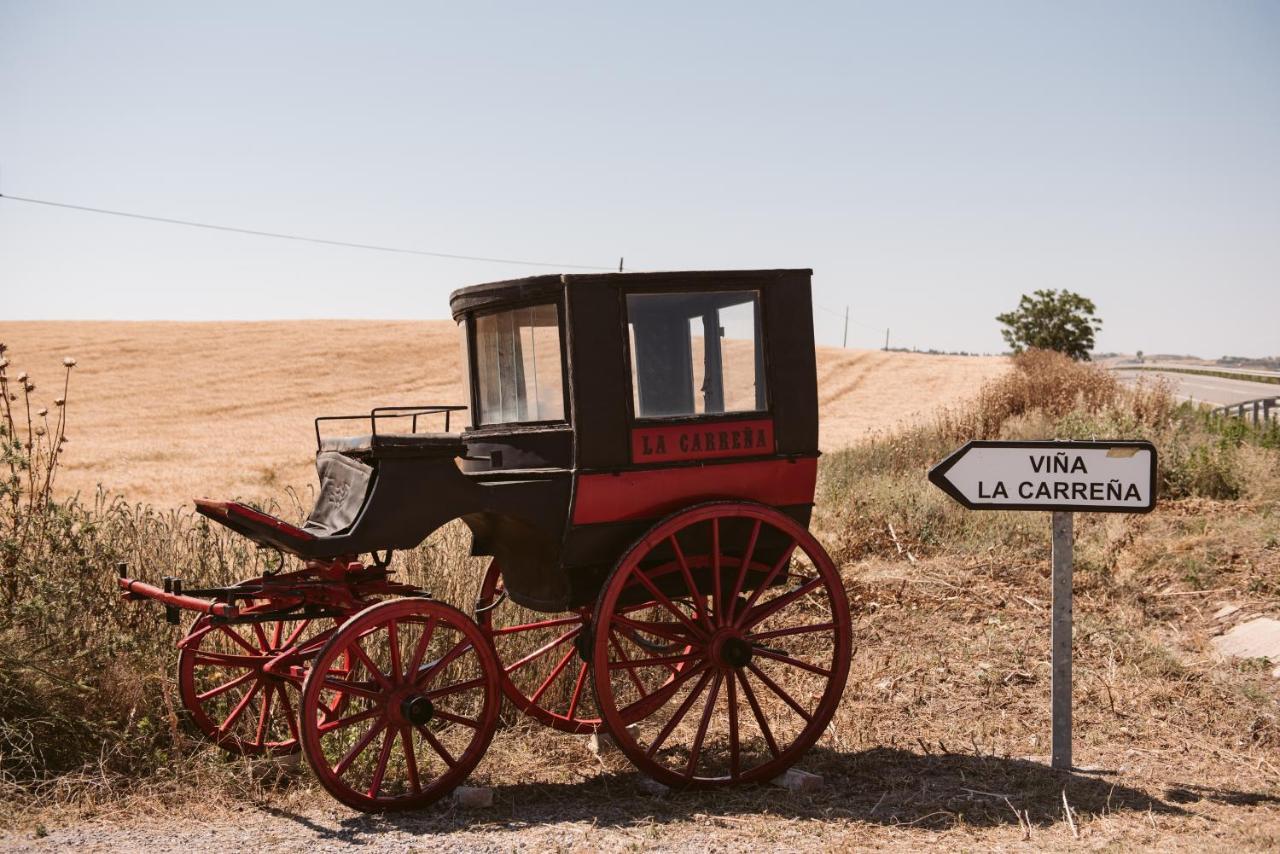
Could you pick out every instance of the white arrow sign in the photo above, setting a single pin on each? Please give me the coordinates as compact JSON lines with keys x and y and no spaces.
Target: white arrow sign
{"x":1107,"y":477}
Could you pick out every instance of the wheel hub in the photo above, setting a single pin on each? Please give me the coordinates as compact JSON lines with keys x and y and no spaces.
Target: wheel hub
{"x":417,"y":710}
{"x":734,"y":652}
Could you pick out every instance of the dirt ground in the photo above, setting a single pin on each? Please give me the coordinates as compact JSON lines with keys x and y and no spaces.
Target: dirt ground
{"x":164,"y":412}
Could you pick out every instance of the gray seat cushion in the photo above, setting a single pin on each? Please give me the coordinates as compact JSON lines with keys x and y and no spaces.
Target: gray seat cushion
{"x":344,"y":482}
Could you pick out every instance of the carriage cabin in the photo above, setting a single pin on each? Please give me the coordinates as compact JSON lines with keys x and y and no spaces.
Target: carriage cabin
{"x":619,"y":398}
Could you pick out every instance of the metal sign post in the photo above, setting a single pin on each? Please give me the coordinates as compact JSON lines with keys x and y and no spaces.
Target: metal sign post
{"x":1060,"y":638}
{"x":1061,"y":477}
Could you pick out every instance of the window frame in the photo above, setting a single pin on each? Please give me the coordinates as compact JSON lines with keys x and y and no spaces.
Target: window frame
{"x":473,"y":371}
{"x":695,"y":417}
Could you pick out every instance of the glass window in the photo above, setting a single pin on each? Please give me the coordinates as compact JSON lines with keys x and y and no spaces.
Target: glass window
{"x":695,"y":353}
{"x":518,"y":365}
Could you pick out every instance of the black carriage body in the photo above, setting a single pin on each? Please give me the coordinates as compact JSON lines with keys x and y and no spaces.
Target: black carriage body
{"x":578,"y":491}
{"x":599,"y":404}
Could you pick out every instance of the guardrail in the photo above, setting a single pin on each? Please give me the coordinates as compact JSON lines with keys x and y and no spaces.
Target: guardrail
{"x":1259,"y":411}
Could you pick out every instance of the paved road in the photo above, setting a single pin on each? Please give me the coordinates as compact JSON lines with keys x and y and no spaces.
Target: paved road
{"x":1215,"y":390}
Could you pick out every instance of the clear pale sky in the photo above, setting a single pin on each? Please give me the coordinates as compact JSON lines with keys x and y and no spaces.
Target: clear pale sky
{"x":930,"y":161}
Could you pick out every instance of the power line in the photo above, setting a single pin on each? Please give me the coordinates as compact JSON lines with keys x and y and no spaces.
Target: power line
{"x":302,"y":238}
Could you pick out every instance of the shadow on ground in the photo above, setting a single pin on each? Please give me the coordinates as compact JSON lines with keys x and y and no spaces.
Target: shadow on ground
{"x":885,"y":786}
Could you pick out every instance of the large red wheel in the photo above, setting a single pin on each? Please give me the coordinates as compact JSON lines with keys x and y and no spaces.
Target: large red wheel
{"x":736,"y":663}
{"x":411,"y":716}
{"x":543,"y":659}
{"x":221,"y":680}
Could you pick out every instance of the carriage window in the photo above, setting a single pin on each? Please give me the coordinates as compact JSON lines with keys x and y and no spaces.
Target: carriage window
{"x":518,"y":365}
{"x":695,"y":353}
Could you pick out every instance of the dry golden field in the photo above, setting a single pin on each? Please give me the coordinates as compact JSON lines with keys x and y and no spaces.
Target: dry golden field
{"x":164,"y":412}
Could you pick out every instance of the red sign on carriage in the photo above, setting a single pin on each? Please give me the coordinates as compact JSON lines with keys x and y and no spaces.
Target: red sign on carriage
{"x":705,"y":441}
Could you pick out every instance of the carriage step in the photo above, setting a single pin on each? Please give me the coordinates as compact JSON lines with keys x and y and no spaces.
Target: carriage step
{"x":795,"y":780}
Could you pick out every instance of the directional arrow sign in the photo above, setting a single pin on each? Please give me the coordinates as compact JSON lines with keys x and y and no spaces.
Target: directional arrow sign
{"x":1095,"y":477}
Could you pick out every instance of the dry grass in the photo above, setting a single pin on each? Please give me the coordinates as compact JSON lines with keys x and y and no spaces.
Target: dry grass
{"x":942,"y":733}
{"x":165,"y":412}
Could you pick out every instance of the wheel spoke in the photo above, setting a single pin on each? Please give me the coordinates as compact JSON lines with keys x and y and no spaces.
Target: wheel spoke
{"x":668,"y":690}
{"x":410,"y":759}
{"x":346,"y":687}
{"x":437,"y":746}
{"x":276,"y":631}
{"x":551,"y":677}
{"x":421,"y":649}
{"x":742,"y":570}
{"x":775,"y":688}
{"x":758,"y":615}
{"x":457,"y":719}
{"x":698,"y":605}
{"x":731,"y":696}
{"x":223,"y":659}
{"x":380,"y":771}
{"x":290,"y":718}
{"x":717,"y":595}
{"x":541,"y":651}
{"x":544,"y":624}
{"x":222,"y":689}
{"x":239,"y":709}
{"x":759,"y":715}
{"x":707,"y":710}
{"x":662,"y":597}
{"x":393,"y":646}
{"x":261,"y":636}
{"x":235,"y":636}
{"x":577,"y":691}
{"x":443,"y":662}
{"x":794,"y":630}
{"x":264,"y":715}
{"x":680,"y":712}
{"x":655,"y":662}
{"x":330,"y":726}
{"x":768,"y":580}
{"x":297,"y":633}
{"x":794,"y":662}
{"x":356,"y":749}
{"x":669,"y":631}
{"x":613,"y":641}
{"x":378,"y":675}
{"x":478,"y":682}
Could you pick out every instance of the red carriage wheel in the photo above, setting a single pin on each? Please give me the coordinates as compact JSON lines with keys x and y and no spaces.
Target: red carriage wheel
{"x":544,"y":672}
{"x":755,"y":623}
{"x":412,"y":714}
{"x":230,"y":698}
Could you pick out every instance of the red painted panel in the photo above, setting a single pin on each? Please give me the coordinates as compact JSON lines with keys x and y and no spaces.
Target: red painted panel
{"x":656,"y":492}
{"x":708,"y":440}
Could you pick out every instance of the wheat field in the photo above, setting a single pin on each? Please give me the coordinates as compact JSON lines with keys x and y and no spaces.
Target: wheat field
{"x":162,"y":412}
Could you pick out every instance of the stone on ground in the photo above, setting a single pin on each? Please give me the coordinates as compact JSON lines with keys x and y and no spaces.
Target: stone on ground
{"x":1258,"y":638}
{"x":798,"y":781}
{"x":473,"y":797}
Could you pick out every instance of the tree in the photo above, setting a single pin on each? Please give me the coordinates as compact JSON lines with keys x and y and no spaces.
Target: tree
{"x":1052,"y":320}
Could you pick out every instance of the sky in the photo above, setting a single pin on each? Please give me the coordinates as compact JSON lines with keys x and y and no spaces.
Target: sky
{"x":931,"y":162}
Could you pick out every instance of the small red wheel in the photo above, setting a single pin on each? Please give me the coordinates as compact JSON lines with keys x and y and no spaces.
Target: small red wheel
{"x":757,"y":621}
{"x":411,"y":716}
{"x":544,"y":671}
{"x":230,"y":698}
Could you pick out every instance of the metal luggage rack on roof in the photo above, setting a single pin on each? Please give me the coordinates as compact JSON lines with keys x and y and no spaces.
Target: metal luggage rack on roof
{"x":411,"y":412}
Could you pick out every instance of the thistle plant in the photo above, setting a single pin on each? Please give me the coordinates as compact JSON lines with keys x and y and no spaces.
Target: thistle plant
{"x":31,"y":445}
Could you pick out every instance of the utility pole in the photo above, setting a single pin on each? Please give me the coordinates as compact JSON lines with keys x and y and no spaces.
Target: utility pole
{"x":845,"y":342}
{"x":886,"y":339}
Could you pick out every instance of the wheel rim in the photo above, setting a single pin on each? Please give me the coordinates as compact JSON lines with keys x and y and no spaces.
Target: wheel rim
{"x":232,"y":701}
{"x":411,"y":715}
{"x":544,"y":672}
{"x":763,"y":621}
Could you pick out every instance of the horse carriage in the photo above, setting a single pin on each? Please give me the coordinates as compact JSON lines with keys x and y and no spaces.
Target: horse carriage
{"x":639,"y":465}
